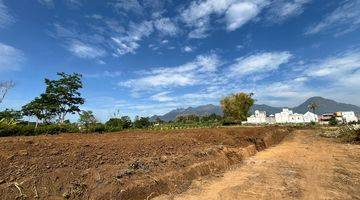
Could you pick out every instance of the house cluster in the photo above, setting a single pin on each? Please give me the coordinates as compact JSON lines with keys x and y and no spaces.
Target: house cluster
{"x":288,"y":116}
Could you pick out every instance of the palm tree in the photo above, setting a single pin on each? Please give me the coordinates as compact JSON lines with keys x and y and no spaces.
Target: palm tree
{"x":313,"y":106}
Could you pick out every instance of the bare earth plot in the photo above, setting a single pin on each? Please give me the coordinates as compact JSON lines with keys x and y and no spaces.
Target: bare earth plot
{"x":303,"y":166}
{"x":125,"y":165}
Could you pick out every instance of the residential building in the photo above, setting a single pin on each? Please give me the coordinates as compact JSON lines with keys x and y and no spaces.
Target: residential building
{"x":310,"y":117}
{"x":258,"y":118}
{"x":296,"y":118}
{"x":349,"y":116}
{"x":283,"y":116}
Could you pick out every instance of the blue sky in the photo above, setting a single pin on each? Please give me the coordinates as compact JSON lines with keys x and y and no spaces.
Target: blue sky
{"x":147,"y":57}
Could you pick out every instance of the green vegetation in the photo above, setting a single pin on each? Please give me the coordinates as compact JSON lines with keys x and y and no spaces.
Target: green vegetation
{"x":349,"y":134}
{"x":62,"y":98}
{"x":236,"y":106}
{"x":333,"y":121}
{"x":313,"y":106}
{"x":345,"y":133}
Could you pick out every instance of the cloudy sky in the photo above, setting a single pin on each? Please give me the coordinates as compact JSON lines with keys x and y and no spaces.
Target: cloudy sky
{"x":147,"y":57}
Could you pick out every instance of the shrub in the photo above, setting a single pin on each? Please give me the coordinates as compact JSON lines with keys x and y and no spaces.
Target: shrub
{"x":27,"y":130}
{"x":142,"y":122}
{"x":98,"y":128}
{"x":349,"y":134}
{"x":117,"y":124}
{"x":229,"y":122}
{"x":333,"y":121}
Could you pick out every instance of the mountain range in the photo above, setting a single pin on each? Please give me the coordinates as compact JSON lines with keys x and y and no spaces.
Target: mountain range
{"x":324,"y":106}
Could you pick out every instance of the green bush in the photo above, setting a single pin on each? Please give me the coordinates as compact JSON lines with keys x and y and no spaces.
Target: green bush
{"x":27,"y":130}
{"x":230,"y":122}
{"x":118,"y":124}
{"x":333,"y":121}
{"x":98,"y":128}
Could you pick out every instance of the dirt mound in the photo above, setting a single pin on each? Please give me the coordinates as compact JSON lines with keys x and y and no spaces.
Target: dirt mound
{"x":126,"y":165}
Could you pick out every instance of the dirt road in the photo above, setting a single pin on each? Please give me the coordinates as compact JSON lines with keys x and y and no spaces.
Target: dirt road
{"x":303,"y":166}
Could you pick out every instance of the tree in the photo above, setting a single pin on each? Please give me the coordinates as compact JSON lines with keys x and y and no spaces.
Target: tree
{"x":158,"y":120}
{"x":65,"y":94}
{"x":313,"y":106}
{"x":87,"y":118}
{"x":10,"y":114}
{"x":5,"y":86}
{"x":142,"y":122}
{"x":236,"y":106}
{"x":333,"y":121}
{"x":119,"y":123}
{"x":41,"y":108}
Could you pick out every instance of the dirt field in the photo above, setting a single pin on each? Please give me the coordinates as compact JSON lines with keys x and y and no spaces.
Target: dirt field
{"x":127,"y":165}
{"x":304,"y":166}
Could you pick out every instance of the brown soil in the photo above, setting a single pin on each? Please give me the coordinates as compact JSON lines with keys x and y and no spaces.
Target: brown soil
{"x":304,"y":166}
{"x":126,"y":165}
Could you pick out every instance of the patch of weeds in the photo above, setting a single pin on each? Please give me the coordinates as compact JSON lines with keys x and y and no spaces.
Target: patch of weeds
{"x":349,"y":133}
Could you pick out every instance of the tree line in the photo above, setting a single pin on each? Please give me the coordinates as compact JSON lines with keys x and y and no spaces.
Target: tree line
{"x":62,"y":98}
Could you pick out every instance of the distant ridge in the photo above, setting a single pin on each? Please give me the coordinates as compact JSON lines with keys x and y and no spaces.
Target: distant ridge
{"x":325,"y":106}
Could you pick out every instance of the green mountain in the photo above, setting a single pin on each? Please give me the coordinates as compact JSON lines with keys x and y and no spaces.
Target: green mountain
{"x":325,"y":106}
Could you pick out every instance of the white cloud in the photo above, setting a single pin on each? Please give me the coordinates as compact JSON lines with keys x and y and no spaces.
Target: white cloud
{"x":106,"y":74}
{"x":5,"y":17}
{"x":259,"y":63}
{"x":10,"y":58}
{"x":197,"y":15}
{"x":236,"y":13}
{"x":129,"y":42}
{"x":240,"y":13}
{"x":129,"y":5}
{"x":344,"y":19}
{"x":48,"y":3}
{"x":166,"y":26}
{"x":162,"y":97}
{"x":342,"y":68}
{"x":70,"y":3}
{"x":187,"y":49}
{"x":283,"y":9}
{"x":184,"y":75}
{"x":85,"y":51}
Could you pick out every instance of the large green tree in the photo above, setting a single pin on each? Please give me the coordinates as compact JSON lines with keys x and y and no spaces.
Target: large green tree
{"x":65,"y":94}
{"x":61,"y":97}
{"x":42,"y":108}
{"x":237,"y":106}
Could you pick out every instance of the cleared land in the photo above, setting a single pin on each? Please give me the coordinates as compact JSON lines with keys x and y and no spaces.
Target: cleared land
{"x":304,"y":166}
{"x":126,"y":165}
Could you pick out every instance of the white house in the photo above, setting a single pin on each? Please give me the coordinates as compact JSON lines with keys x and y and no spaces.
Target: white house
{"x":349,"y":116}
{"x":283,"y":117}
{"x":310,"y":117}
{"x":258,"y":118}
{"x":287,"y":116}
{"x":296,"y":118}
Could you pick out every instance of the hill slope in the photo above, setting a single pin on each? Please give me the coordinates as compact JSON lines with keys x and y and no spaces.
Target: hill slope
{"x":326,"y":106}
